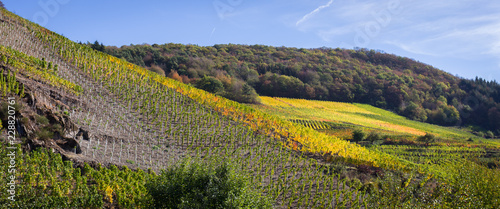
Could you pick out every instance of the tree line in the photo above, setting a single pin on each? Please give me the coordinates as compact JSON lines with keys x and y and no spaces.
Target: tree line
{"x":408,"y":87}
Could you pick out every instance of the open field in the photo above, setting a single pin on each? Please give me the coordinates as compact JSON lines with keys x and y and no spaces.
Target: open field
{"x":355,"y":116}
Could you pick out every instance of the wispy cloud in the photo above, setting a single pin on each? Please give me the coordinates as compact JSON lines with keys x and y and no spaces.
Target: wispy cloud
{"x":307,"y":16}
{"x":211,"y":35}
{"x":461,"y":37}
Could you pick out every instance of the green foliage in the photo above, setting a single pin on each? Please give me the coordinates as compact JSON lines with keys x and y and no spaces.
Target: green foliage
{"x":97,"y":46}
{"x":43,"y":63}
{"x":373,"y":136}
{"x":490,"y":134}
{"x":415,"y":112}
{"x":44,"y":134}
{"x":295,"y":185}
{"x":358,"y":135}
{"x":396,"y":190}
{"x":42,"y":120}
{"x":9,"y":84}
{"x":210,"y":84}
{"x":121,"y":187}
{"x":3,"y":59}
{"x":43,"y":180}
{"x":196,"y":185}
{"x":31,"y":67}
{"x":427,"y":138}
{"x":361,"y":75}
{"x":473,"y":186}
{"x":243,"y":93}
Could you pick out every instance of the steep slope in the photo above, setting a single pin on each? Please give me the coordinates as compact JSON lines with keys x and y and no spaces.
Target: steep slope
{"x":108,"y":111}
{"x":121,"y":114}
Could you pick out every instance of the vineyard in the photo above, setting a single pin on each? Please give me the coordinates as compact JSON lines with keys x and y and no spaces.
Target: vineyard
{"x":353,"y":116}
{"x":127,"y":118}
{"x":316,"y":125}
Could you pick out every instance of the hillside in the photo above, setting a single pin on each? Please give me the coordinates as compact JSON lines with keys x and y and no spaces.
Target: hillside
{"x":402,"y":85}
{"x":89,"y":130}
{"x":95,"y":109}
{"x":353,"y":116}
{"x":381,"y":129}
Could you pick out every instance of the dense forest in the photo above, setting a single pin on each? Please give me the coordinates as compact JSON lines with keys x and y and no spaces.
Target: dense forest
{"x":405,"y":86}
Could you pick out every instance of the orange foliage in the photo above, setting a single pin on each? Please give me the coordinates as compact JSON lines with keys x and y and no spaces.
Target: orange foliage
{"x":174,"y":75}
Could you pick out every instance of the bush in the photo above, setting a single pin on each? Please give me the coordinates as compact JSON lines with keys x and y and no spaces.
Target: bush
{"x":194,"y":185}
{"x":427,"y":138}
{"x":210,"y":84}
{"x":490,"y":134}
{"x":45,"y":134}
{"x":358,"y":135}
{"x":41,"y":120}
{"x":373,"y":137}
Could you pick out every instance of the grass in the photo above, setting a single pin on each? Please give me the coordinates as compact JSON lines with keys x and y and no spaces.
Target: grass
{"x":387,"y":116}
{"x":354,"y":115}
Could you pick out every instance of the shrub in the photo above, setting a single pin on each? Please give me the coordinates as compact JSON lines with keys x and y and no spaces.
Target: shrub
{"x":373,"y":137}
{"x":490,"y":134}
{"x":191,"y":184}
{"x":210,"y":84}
{"x":358,"y":135}
{"x":157,"y":69}
{"x":427,"y":138}
{"x":41,"y":120}
{"x":45,"y":134}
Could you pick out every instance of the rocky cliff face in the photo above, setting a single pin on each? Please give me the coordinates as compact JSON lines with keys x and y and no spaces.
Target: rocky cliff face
{"x":43,"y":120}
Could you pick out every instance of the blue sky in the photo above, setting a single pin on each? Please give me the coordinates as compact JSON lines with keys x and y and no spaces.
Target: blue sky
{"x":459,"y":36}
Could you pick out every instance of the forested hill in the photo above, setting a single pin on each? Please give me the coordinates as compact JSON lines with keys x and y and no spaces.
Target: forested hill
{"x":408,"y":87}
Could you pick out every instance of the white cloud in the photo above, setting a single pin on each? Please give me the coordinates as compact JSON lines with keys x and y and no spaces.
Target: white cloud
{"x":461,"y":30}
{"x":414,"y":48}
{"x":452,"y":28}
{"x":307,"y":16}
{"x":461,"y":37}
